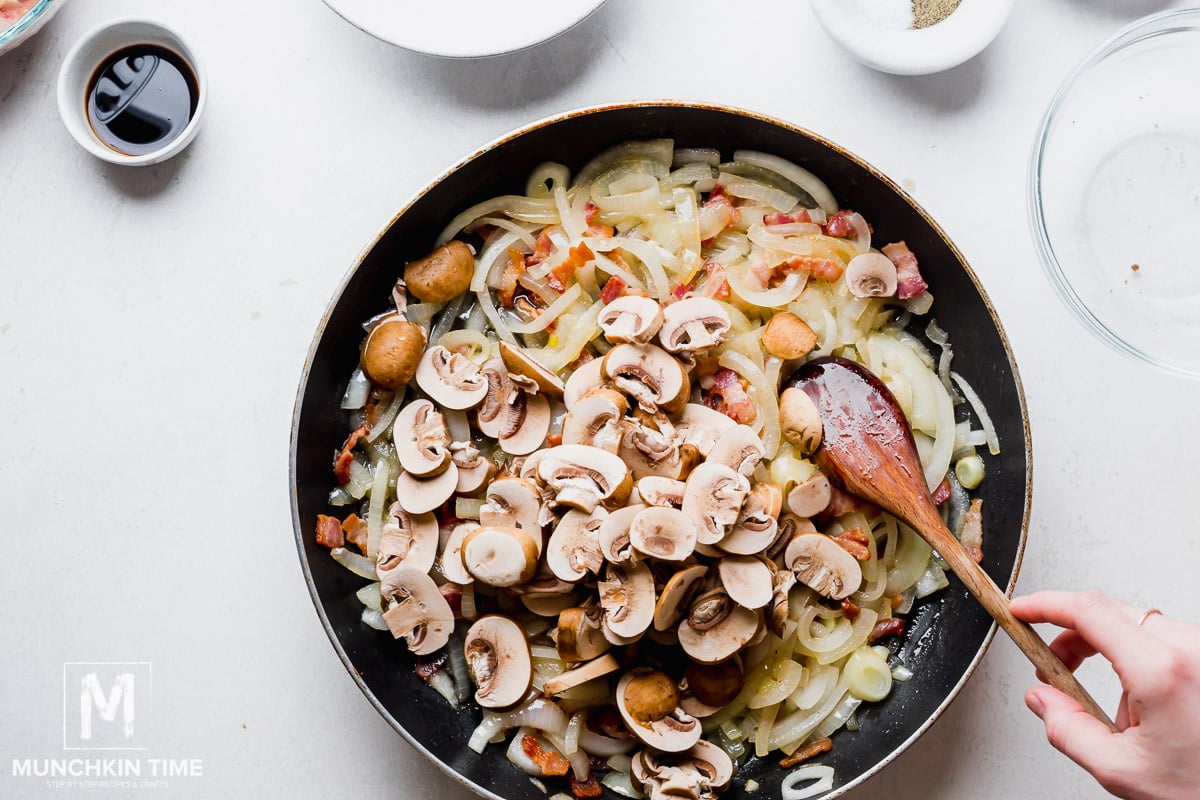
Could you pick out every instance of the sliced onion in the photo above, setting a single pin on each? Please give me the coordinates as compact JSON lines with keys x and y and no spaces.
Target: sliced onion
{"x":467,"y":507}
{"x":765,"y":395}
{"x":357,"y":391}
{"x":653,"y":257}
{"x":516,"y":754}
{"x":363,"y":567}
{"x":604,"y":746}
{"x":378,"y":502}
{"x":369,"y":597}
{"x":798,"y":175}
{"x":490,"y":263}
{"x":448,"y":317}
{"x":791,"y":287}
{"x":443,"y":684}
{"x":546,"y":177}
{"x":821,"y":776}
{"x":550,"y":314}
{"x":529,"y":209}
{"x":696,"y":155}
{"x":862,"y":232}
{"x":621,"y":783}
{"x":571,"y":737}
{"x":759,"y":192}
{"x":384,"y":423}
{"x":989,"y":429}
{"x":374,"y":619}
{"x":660,"y":151}
{"x":572,"y":214}
{"x":688,"y":175}
{"x":488,"y":728}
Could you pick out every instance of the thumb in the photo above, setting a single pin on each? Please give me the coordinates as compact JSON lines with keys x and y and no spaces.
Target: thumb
{"x":1074,"y":732}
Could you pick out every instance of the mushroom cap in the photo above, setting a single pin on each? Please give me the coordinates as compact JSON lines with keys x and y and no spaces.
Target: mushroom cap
{"x":500,"y":556}
{"x":391,"y":353}
{"x":649,"y":375}
{"x":574,"y":547}
{"x":811,"y":497}
{"x":422,"y":441}
{"x":474,"y":470}
{"x":443,"y":274}
{"x":452,"y":566}
{"x":871,"y":275}
{"x":716,"y":627}
{"x":788,"y":337}
{"x":790,"y":526}
{"x":451,"y":379}
{"x":612,"y":536}
{"x":627,"y":598}
{"x":520,"y":362}
{"x":747,"y":580}
{"x":663,"y":533}
{"x":693,"y":324}
{"x":715,"y":684}
{"x":648,"y":451}
{"x":649,"y":705}
{"x":757,"y":524}
{"x":526,"y":424}
{"x":415,"y":609}
{"x":418,"y":495}
{"x":713,"y":498}
{"x":596,"y":419}
{"x":677,"y":595}
{"x":587,"y":377}
{"x":583,"y":476}
{"x":498,"y":661}
{"x":821,"y":563}
{"x":513,"y":502}
{"x":631,"y":319}
{"x":579,"y":636}
{"x":702,"y":426}
{"x":800,"y":421}
{"x":740,"y":448}
{"x":700,"y":773}
{"x":408,"y":539}
{"x":656,"y":490}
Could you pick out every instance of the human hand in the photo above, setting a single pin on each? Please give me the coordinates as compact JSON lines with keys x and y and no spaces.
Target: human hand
{"x":1158,"y":662}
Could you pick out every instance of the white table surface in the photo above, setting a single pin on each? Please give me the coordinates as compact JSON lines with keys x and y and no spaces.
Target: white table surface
{"x":153,"y":324}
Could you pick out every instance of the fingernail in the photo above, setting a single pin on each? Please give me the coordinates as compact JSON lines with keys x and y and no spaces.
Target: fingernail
{"x":1034,"y":701}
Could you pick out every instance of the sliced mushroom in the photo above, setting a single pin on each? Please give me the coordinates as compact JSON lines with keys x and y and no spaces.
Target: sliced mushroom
{"x":474,"y":470}
{"x":586,"y":378}
{"x":716,"y":627}
{"x":747,"y":580}
{"x":418,"y":495}
{"x":701,"y":773}
{"x":693,"y":324}
{"x":649,"y":375}
{"x":790,"y":526}
{"x":519,"y":362}
{"x":677,"y":596}
{"x":415,"y":610}
{"x":513,"y":502}
{"x":821,"y":563}
{"x":788,"y":337}
{"x":407,"y":539}
{"x":811,"y":497}
{"x":777,"y":612}
{"x":451,"y":379}
{"x":391,"y":353}
{"x":702,"y":426}
{"x":583,"y":477}
{"x":547,"y":604}
{"x":655,"y":490}
{"x":422,"y":441}
{"x":757,"y":524}
{"x":452,"y":566}
{"x":800,"y":420}
{"x":442,"y":275}
{"x":498,"y":661}
{"x":613,"y":534}
{"x":632,"y":319}
{"x":648,"y":451}
{"x":579,"y":636}
{"x":713,"y":498}
{"x":871,"y":275}
{"x":500,"y":556}
{"x":596,"y":668}
{"x":649,"y":704}
{"x":715,"y":684}
{"x":596,"y":419}
{"x":627,"y":598}
{"x":663,"y":533}
{"x":740,"y":448}
{"x":574,"y":547}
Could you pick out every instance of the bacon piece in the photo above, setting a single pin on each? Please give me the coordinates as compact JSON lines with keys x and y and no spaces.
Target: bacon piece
{"x":814,"y":749}
{"x":551,"y":763}
{"x":453,"y":594}
{"x":909,"y":282}
{"x":355,"y":530}
{"x":972,"y":532}
{"x":577,"y":256}
{"x":425,"y":666}
{"x":341,"y":462}
{"x":854,"y":542}
{"x":600,"y":231}
{"x":329,"y":532}
{"x":725,"y":392}
{"x":509,"y":278}
{"x":839,"y":225}
{"x":541,"y":250}
{"x":590,"y":212}
{"x":586,"y":789}
{"x":941,"y":493}
{"x":842,"y":503}
{"x":716,"y":286}
{"x":893,"y":626}
{"x":850,"y":609}
{"x":681,"y":291}
{"x":825,"y":269}
{"x":613,"y":288}
{"x":783,"y":219}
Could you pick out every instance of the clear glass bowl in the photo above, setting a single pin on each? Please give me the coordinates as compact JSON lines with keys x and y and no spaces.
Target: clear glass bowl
{"x":1114,"y":194}
{"x":29,"y":24}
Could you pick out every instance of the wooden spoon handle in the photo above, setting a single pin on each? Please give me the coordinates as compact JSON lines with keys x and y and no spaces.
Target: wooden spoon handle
{"x":993,"y":599}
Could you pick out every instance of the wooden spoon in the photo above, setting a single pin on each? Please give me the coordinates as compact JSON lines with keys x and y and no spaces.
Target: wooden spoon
{"x":868,"y":447}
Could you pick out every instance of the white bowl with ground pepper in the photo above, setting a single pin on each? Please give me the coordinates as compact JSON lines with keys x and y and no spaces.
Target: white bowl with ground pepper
{"x":912,"y":37}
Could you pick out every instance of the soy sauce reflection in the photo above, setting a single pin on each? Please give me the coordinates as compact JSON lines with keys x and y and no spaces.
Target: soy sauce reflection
{"x":140,"y":98}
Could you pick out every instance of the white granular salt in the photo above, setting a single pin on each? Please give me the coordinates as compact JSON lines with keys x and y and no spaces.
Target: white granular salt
{"x":896,"y":14}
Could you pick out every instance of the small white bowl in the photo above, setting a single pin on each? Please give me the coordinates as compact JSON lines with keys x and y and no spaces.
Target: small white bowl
{"x":29,"y":24}
{"x":901,"y":51}
{"x":88,"y":54}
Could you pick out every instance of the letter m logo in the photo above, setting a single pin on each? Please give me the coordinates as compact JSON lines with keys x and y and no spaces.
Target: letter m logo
{"x":92,"y":697}
{"x":105,"y":706}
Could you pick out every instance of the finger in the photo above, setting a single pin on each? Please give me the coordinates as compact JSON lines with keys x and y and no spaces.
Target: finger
{"x":1074,"y":732}
{"x":1108,"y":625}
{"x":1072,"y":649}
{"x":1125,"y":716}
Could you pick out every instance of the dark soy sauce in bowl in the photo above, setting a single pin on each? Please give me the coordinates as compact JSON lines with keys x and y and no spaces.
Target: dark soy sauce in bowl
{"x":141,"y":98}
